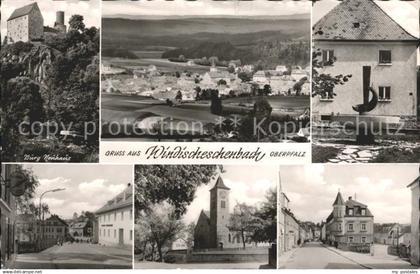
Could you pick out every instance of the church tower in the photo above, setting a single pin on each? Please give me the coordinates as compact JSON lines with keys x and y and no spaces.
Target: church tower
{"x":219,"y":214}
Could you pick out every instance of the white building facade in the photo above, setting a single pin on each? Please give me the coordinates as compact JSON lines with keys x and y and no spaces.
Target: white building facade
{"x":115,"y":220}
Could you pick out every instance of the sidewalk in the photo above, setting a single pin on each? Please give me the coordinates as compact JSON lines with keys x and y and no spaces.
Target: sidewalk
{"x":285,"y":257}
{"x":378,"y":261}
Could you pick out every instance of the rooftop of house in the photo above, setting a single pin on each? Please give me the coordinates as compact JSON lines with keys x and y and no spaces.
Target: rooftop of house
{"x":54,"y":217}
{"x":359,"y":20}
{"x":122,"y":200}
{"x":25,"y":10}
{"x":76,"y":225}
{"x":220,"y":184}
{"x":416,"y":181}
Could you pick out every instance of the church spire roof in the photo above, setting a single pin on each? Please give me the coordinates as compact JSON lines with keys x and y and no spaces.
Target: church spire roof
{"x":339,"y":199}
{"x":220,"y":184}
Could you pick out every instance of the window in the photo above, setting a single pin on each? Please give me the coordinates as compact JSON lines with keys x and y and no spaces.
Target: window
{"x":384,"y":93}
{"x":115,"y":216}
{"x":131,"y":235}
{"x":223,"y":204}
{"x":339,"y":226}
{"x":363,"y":239}
{"x":363,"y":227}
{"x":351,"y":212}
{"x":115,"y":233}
{"x":350,"y":227}
{"x":385,"y":57}
{"x":363,"y":212}
{"x":328,"y":57}
{"x":122,"y":215}
{"x":350,"y":239}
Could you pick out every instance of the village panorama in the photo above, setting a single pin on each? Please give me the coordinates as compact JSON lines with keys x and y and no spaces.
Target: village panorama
{"x":234,"y":76}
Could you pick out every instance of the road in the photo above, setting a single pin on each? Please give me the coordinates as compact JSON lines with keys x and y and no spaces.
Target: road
{"x":76,"y":256}
{"x":314,"y":256}
{"x":240,"y":265}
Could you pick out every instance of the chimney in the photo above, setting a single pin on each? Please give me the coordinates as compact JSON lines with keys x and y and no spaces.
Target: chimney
{"x":350,"y":198}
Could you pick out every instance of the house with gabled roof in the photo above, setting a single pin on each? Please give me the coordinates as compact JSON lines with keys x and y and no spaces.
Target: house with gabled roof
{"x":357,"y":36}
{"x":350,"y":223}
{"x":25,"y":24}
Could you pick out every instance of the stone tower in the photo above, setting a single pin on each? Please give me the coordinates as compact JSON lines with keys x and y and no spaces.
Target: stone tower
{"x":219,"y":214}
{"x":59,"y":22}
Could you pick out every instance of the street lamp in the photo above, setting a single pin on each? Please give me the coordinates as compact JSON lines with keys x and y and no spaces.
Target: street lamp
{"x":41,"y":220}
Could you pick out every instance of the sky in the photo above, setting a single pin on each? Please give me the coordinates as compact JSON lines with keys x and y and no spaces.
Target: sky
{"x":247,"y":184}
{"x":90,"y":10}
{"x":206,"y":7}
{"x":312,"y":189}
{"x":87,"y":187}
{"x":404,"y":13}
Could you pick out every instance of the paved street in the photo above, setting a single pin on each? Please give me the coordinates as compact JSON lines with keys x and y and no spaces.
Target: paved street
{"x":76,"y":255}
{"x":241,"y":265}
{"x":316,"y":256}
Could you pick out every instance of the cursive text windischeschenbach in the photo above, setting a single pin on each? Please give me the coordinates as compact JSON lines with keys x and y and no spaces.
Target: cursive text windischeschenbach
{"x":183,"y":152}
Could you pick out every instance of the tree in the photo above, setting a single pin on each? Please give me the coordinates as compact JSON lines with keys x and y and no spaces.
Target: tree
{"x":24,"y":203}
{"x":231,"y":69}
{"x":266,"y":229}
{"x":161,"y":225}
{"x":221,"y":82}
{"x":175,"y":184}
{"x":267,"y":89}
{"x":178,"y":96}
{"x":323,"y":84}
{"x":243,"y":220}
{"x":216,"y":103}
{"x":76,"y":23}
{"x":187,"y":235}
{"x":254,"y":89}
{"x":197,"y":93}
{"x":245,"y":77}
{"x":21,"y":102}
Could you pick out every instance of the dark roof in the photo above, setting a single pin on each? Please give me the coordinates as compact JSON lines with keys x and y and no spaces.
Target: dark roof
{"x":220,"y":184}
{"x":417,"y":180}
{"x":122,"y":200}
{"x":359,"y":20}
{"x":55,"y":217}
{"x":79,"y":224}
{"x":338,"y":200}
{"x":353,"y":203}
{"x":206,"y":213}
{"x":22,"y":11}
{"x":357,"y":206}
